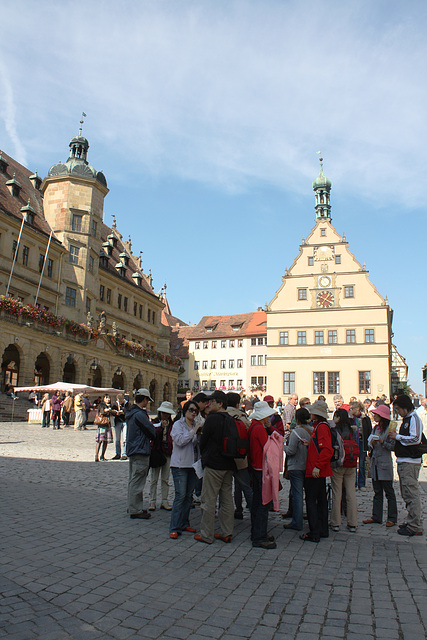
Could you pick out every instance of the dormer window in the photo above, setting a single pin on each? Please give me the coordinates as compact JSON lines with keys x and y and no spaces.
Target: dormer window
{"x":112,"y":240}
{"x":124,"y":258}
{"x":3,"y":164}
{"x":36,"y":180}
{"x":137,"y":277}
{"x":108,"y":248}
{"x":236,"y":327}
{"x":14,"y":186}
{"x":121,"y":269}
{"x":103,"y":259}
{"x":29,"y":213}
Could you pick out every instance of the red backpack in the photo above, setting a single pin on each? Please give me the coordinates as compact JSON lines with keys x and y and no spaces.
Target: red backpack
{"x":351,"y":451}
{"x":235,"y":438}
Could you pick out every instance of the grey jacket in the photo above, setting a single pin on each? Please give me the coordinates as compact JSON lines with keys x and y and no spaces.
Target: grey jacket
{"x":296,"y":451}
{"x":381,"y":460}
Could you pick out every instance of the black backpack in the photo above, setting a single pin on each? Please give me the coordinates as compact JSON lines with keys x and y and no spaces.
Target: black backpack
{"x":235,"y":441}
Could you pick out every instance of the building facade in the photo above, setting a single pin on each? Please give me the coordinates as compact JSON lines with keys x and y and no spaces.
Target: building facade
{"x":224,"y":352}
{"x":328,"y":328}
{"x":75,"y":303}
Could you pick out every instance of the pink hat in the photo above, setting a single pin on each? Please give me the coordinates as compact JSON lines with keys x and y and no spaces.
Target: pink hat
{"x":382,"y":410}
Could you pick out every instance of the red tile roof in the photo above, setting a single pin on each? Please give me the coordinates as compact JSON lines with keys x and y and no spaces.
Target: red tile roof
{"x":12,"y":205}
{"x":179,"y":341}
{"x":167,"y":318}
{"x":241,"y":325}
{"x":115,"y":259}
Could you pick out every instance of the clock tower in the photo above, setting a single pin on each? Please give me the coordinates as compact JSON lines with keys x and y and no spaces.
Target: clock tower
{"x":328,"y":328}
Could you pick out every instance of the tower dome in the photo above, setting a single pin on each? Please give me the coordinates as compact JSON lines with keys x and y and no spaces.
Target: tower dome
{"x":77,"y":163}
{"x":322,"y":188}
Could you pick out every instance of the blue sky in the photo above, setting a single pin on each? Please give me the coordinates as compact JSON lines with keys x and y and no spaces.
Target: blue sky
{"x":206,"y":117}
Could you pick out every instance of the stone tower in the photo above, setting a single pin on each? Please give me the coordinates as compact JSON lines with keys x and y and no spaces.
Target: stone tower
{"x":74,"y":195}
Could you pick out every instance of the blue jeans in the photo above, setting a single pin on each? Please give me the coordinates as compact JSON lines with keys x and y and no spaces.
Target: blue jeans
{"x":184,"y":481}
{"x":118,"y":428}
{"x":242,"y":483}
{"x":259,"y":511}
{"x":297,"y":486}
{"x":361,"y":477}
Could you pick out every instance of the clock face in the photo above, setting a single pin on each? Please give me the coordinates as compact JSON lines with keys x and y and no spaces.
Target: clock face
{"x":325,"y":299}
{"x":325,"y":281}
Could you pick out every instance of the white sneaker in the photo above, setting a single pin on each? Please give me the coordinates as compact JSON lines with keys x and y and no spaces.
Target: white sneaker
{"x":152,"y":506}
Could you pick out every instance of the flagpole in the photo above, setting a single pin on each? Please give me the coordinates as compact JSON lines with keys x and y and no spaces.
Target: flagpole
{"x":15,"y":256}
{"x":43,"y":268}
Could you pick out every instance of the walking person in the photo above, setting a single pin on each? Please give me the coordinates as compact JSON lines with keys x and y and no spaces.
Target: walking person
{"x":104,"y":433}
{"x":87,"y":407}
{"x":46,"y":408}
{"x":67,"y":407}
{"x":119,"y":406}
{"x":56,"y":410}
{"x":296,"y":455}
{"x":79,"y":411}
{"x":140,"y":432}
{"x":160,"y":456}
{"x":317,"y":470}
{"x":380,"y":448}
{"x":345,"y":476}
{"x":408,"y":457}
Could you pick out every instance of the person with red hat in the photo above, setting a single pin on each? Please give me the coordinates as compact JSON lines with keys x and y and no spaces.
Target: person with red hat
{"x":275,"y":419}
{"x":380,"y":448}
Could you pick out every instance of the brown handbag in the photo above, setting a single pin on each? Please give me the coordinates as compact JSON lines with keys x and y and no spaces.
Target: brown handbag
{"x":101,"y":421}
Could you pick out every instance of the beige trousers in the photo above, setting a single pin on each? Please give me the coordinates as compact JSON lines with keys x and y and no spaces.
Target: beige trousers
{"x":347,"y":477}
{"x":163,"y":472}
{"x":217,"y":483}
{"x":410,"y":490}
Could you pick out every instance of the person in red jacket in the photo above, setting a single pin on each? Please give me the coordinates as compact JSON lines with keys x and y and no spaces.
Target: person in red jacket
{"x":275,"y":419}
{"x":318,"y":469}
{"x":258,"y":435}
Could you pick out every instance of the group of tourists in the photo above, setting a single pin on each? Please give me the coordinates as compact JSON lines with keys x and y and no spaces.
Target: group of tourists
{"x":213,"y":444}
{"x":221,"y":451}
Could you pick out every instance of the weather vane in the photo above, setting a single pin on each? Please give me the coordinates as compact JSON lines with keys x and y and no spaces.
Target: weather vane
{"x":319,"y":153}
{"x":82,"y":123}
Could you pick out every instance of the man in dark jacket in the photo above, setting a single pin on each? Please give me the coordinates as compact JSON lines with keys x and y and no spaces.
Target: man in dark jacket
{"x":217,"y":476}
{"x":408,"y":457}
{"x":139,"y":433}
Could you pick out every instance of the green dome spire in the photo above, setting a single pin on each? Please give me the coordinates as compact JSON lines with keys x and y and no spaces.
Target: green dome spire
{"x":322,"y":188}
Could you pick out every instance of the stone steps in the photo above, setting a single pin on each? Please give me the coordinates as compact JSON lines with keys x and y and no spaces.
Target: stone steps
{"x":14,"y":410}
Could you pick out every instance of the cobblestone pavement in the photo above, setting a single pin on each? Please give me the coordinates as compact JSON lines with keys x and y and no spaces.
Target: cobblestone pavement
{"x":75,"y":566}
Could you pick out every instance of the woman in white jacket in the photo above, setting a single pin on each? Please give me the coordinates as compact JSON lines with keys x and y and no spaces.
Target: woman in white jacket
{"x":185,"y":453}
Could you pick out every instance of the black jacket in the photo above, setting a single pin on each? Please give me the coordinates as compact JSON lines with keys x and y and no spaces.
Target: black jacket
{"x":211,"y":443}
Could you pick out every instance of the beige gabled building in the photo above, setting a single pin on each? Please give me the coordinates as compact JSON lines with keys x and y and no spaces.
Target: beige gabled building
{"x":328,"y":328}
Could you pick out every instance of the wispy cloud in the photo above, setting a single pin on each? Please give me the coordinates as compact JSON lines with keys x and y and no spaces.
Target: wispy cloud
{"x":229,"y":93}
{"x":8,"y":113}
